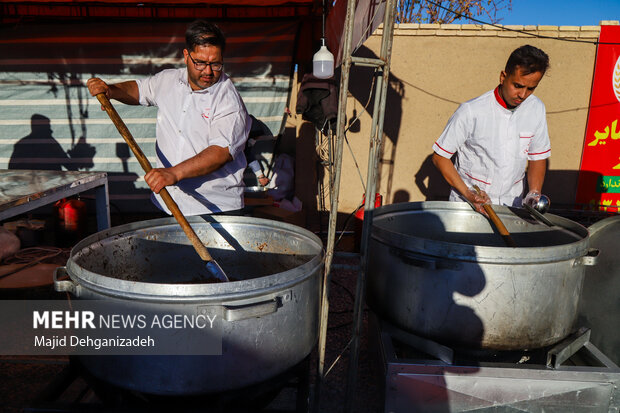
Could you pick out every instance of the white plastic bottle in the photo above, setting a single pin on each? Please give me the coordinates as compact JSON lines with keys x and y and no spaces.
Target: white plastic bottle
{"x":323,"y":63}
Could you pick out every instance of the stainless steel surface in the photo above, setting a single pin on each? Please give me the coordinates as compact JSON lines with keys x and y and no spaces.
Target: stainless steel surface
{"x":443,"y":353}
{"x":438,"y":270}
{"x":599,"y":306}
{"x":586,"y":383}
{"x":543,"y":204}
{"x":542,"y":218}
{"x":567,"y":348}
{"x":538,"y":215}
{"x":25,"y":190}
{"x":271,"y":311}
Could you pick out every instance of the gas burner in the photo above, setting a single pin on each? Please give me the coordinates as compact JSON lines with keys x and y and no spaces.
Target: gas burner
{"x":421,"y":375}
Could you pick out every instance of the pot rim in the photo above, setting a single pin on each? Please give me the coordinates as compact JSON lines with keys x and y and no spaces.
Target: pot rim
{"x":215,"y":292}
{"x":475,"y":253}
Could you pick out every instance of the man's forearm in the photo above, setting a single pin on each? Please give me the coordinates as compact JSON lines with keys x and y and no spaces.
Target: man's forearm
{"x":536,"y":175}
{"x":207,"y":161}
{"x":450,"y":174}
{"x":125,"y":92}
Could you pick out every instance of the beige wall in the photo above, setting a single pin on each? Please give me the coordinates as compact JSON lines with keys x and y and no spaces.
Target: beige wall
{"x":434,"y":69}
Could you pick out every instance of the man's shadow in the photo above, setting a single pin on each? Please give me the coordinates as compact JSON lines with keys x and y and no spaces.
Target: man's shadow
{"x":39,"y":150}
{"x":429,"y":181}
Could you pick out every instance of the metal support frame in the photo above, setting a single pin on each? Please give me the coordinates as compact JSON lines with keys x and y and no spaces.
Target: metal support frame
{"x":376,"y":139}
{"x":587,"y":382}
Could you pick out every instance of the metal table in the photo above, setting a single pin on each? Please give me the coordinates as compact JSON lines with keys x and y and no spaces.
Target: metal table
{"x":24,"y":190}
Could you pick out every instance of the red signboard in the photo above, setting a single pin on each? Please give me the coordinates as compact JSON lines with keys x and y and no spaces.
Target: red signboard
{"x":599,"y":175}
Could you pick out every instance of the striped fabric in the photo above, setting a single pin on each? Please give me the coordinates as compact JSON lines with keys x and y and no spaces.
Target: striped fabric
{"x":48,"y":120}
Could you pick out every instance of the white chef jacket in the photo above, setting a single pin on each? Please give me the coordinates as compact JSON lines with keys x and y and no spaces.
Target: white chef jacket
{"x":188,"y":122}
{"x":494,"y":144}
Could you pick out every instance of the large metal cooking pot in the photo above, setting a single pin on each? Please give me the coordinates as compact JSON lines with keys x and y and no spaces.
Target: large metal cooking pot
{"x":438,"y":269}
{"x":152,"y":262}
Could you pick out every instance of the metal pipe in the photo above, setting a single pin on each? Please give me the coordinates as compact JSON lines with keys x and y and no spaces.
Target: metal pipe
{"x":373,"y":162}
{"x":367,"y":64}
{"x":367,"y":61}
{"x":333,"y":213}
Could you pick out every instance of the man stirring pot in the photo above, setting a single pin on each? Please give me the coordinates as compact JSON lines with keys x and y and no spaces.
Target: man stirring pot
{"x":202,"y":126}
{"x":497,"y":137}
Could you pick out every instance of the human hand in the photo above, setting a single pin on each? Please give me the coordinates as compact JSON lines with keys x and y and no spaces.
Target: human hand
{"x":478,"y":199}
{"x":532,"y":198}
{"x":97,"y":86}
{"x":263,"y":180}
{"x":158,"y":178}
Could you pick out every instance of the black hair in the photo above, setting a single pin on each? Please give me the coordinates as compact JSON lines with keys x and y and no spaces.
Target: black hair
{"x":201,"y":32}
{"x":529,"y":58}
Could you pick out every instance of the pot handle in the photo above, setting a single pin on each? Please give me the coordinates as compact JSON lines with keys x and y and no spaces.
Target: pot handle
{"x":426,"y":262}
{"x":590,"y":259}
{"x":242,"y":312}
{"x":63,"y":285}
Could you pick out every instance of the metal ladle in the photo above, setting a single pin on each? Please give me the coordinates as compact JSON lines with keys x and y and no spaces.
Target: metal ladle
{"x":543,"y":204}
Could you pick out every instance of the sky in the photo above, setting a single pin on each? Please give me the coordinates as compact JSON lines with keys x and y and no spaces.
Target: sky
{"x":559,"y":12}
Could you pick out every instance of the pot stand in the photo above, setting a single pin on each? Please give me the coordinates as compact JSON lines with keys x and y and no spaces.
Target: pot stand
{"x":587,"y":381}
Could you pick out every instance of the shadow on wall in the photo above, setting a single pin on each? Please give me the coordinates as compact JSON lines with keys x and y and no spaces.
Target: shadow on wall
{"x":125,"y":182}
{"x":39,"y":150}
{"x":362,"y":87}
{"x":429,"y":181}
{"x":561,"y":186}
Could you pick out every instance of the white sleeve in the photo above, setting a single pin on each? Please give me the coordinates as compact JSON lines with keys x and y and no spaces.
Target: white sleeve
{"x":540,"y":147}
{"x":454,"y":134}
{"x":148,"y":88}
{"x":230,"y":124}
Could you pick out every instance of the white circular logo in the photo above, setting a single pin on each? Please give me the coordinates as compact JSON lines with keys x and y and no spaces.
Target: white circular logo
{"x":615,"y":81}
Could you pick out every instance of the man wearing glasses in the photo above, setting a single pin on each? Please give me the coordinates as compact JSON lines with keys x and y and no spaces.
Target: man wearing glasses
{"x":202,"y":126}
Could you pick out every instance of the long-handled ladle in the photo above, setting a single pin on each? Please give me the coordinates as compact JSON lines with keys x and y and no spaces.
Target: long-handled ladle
{"x":212,"y":266}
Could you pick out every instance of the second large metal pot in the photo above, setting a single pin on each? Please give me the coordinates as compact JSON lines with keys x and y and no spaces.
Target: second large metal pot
{"x":439,"y":270}
{"x":270,"y":311}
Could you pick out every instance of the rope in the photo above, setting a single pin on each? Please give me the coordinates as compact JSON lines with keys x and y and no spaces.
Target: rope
{"x":31,"y":256}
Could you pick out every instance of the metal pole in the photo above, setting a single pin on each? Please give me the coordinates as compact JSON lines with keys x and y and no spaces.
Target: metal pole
{"x":333,"y":212}
{"x":367,"y":61}
{"x":373,"y":162}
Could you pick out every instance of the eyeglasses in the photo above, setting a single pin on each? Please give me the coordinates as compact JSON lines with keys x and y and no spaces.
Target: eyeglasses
{"x":215,"y":66}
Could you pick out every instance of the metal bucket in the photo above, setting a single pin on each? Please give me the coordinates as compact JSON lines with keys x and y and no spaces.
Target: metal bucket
{"x":439,"y":270}
{"x":153,"y":262}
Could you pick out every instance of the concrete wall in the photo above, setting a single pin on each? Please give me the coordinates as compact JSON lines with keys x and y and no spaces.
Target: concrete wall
{"x":434,"y":69}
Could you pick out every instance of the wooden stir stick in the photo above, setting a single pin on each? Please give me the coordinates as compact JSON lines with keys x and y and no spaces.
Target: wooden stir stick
{"x":212,"y":266}
{"x":497,"y":222}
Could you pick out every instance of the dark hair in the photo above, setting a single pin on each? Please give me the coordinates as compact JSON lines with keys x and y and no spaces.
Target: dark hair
{"x":529,"y":58}
{"x":201,"y":32}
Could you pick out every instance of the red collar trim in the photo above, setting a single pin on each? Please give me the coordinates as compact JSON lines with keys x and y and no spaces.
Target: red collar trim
{"x":499,"y":98}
